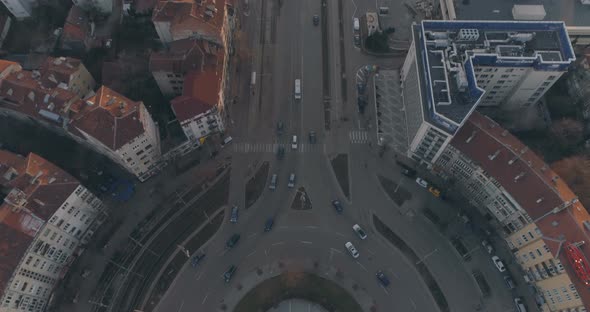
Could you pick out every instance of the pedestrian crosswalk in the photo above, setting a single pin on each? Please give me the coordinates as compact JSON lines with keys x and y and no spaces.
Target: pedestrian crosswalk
{"x":274,"y":147}
{"x":358,"y":136}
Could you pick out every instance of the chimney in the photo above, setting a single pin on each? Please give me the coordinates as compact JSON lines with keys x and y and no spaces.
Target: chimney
{"x":554,"y":179}
{"x":471,"y":136}
{"x":519,"y":176}
{"x":51,"y":180}
{"x":504,"y":133}
{"x":34,"y":180}
{"x":493,"y":156}
{"x":511,"y":161}
{"x":540,"y":200}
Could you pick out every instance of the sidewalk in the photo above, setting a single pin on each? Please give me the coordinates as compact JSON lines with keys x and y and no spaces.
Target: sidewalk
{"x":124,"y":217}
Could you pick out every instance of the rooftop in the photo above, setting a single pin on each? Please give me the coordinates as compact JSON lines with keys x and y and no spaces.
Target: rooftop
{"x":109,"y":117}
{"x":76,"y":26}
{"x":449,"y":50}
{"x":32,"y":190}
{"x":573,"y":13}
{"x":58,"y":70}
{"x":184,"y":55}
{"x":187,"y":17}
{"x":531,"y":182}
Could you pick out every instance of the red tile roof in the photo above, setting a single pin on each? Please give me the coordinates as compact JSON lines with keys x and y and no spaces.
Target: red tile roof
{"x":58,"y":70}
{"x":538,"y":182}
{"x":37,"y":188}
{"x":185,"y":107}
{"x":76,"y":26}
{"x":4,"y":64}
{"x":187,"y":17}
{"x":109,"y":117}
{"x":182,"y":56}
{"x":528,"y":179}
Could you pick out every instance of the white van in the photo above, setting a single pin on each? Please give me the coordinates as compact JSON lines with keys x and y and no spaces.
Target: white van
{"x":356,"y":25}
{"x":226,"y":141}
{"x":297,"y":89}
{"x":294,"y":143}
{"x":519,"y":305}
{"x":273,"y":182}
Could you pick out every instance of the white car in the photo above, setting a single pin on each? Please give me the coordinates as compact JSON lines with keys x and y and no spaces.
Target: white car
{"x":291,"y":180}
{"x":359,"y":231}
{"x":422,"y":182}
{"x":488,"y":247}
{"x":499,"y":264}
{"x":353,"y":252}
{"x":294,"y":142}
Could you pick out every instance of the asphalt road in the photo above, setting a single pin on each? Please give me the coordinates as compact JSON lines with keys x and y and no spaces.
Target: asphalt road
{"x":285,"y":45}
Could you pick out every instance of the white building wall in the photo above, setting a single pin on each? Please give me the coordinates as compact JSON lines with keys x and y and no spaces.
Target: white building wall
{"x":170,"y":84}
{"x":531,"y":88}
{"x":198,"y":127}
{"x":21,"y":9}
{"x":163,"y":30}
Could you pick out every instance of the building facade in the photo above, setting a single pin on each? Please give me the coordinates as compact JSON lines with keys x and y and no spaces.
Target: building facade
{"x":47,"y":218}
{"x":541,"y":219}
{"x":454,"y":66}
{"x":21,"y":9}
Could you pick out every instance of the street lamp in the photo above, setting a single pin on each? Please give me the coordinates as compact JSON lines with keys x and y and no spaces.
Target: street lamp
{"x":184,"y":250}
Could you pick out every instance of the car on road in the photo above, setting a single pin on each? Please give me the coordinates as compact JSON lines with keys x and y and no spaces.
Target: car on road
{"x":268,"y":224}
{"x":337,"y":205}
{"x":518,"y":302}
{"x":273,"y":182}
{"x":226,"y":141}
{"x":280,"y":152}
{"x":229,"y":273}
{"x":422,"y":182}
{"x":234,"y":214}
{"x":487,"y":246}
{"x":294,"y":142}
{"x":353,"y":252}
{"x":233,"y":240}
{"x":408,"y":172}
{"x":357,"y":40}
{"x":434,"y":191}
{"x":197,"y":259}
{"x":312,"y":137}
{"x":499,"y":264}
{"x":359,"y":231}
{"x":509,"y":282}
{"x":280,"y":127}
{"x":382,"y":278}
{"x":316,"y":19}
{"x":291,"y":180}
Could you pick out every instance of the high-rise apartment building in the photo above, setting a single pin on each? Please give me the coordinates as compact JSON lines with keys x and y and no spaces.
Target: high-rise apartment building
{"x":454,"y":66}
{"x":21,"y":9}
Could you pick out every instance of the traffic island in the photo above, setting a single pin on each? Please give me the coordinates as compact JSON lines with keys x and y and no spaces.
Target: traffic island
{"x":301,"y":285}
{"x":256,"y":184}
{"x":413,"y":258}
{"x":340,"y":167}
{"x":301,"y":200}
{"x":394,"y":191}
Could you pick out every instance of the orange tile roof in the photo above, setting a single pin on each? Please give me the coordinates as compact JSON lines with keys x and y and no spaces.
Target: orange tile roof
{"x":109,"y":117}
{"x":183,"y":55}
{"x":4,"y":64}
{"x":185,"y":107}
{"x":538,"y":182}
{"x":37,"y":200}
{"x":187,"y":17}
{"x":76,"y":26}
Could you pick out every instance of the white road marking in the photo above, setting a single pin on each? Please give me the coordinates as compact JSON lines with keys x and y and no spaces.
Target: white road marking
{"x":278,"y":243}
{"x":181,"y":305}
{"x":311,"y":226}
{"x":392,"y":273}
{"x":252,"y":235}
{"x":253,"y":252}
{"x":283,"y":227}
{"x":413,"y":303}
{"x":306,"y":242}
{"x":265,"y":253}
{"x":205,"y":299}
{"x":339,"y":234}
{"x":384,"y":289}
{"x":370,"y":251}
{"x":336,"y":250}
{"x":199,"y":275}
{"x":362,"y":266}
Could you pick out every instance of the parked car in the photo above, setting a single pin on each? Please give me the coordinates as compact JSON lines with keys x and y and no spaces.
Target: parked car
{"x":499,"y":264}
{"x":316,"y":19}
{"x":509,"y":282}
{"x":280,"y":127}
{"x":268,"y":224}
{"x":291,"y":180}
{"x":518,"y":302}
{"x":280,"y":152}
{"x":353,"y":252}
{"x":408,"y":172}
{"x":197,"y":259}
{"x":359,"y":231}
{"x":422,"y":182}
{"x":273,"y":182}
{"x":487,"y":246}
{"x":234,"y":214}
{"x":233,"y":240}
{"x":312,"y":137}
{"x":382,"y":278}
{"x":294,"y":142}
{"x":434,"y":191}
{"x":229,"y":273}
{"x":337,"y":205}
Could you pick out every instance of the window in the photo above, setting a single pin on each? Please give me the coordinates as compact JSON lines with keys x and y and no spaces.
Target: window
{"x":66,"y":227}
{"x":501,"y":81}
{"x":488,"y":70}
{"x":552,"y":77}
{"x":509,"y":70}
{"x":546,"y":248}
{"x":148,"y":147}
{"x":539,"y":252}
{"x":546,"y":83}
{"x":531,"y":235}
{"x":47,"y":231}
{"x":29,"y":260}
{"x":53,"y":236}
{"x":504,"y":76}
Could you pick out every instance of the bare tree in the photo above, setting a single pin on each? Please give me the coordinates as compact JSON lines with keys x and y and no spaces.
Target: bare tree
{"x":567,"y":133}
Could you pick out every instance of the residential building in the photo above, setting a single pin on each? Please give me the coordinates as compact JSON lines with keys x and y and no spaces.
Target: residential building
{"x":182,"y":19}
{"x":541,"y":219}
{"x":21,"y":9}
{"x":5,"y":22}
{"x":75,"y":36}
{"x":104,"y":6}
{"x":454,"y":66}
{"x":46,"y":218}
{"x":120,"y":128}
{"x":67,"y":73}
{"x":578,"y":84}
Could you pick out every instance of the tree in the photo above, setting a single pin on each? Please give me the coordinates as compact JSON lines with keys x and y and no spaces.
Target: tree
{"x":377,"y":42}
{"x":567,"y":133}
{"x":575,"y":171}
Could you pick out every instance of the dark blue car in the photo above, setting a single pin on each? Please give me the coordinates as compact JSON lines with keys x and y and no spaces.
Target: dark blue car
{"x":337,"y":205}
{"x":382,"y":278}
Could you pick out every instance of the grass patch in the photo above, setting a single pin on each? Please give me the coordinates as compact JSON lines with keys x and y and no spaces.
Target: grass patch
{"x":431,"y":283}
{"x":340,"y":167}
{"x":301,"y":200}
{"x":301,"y":285}
{"x":256,"y":184}
{"x":398,"y":194}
